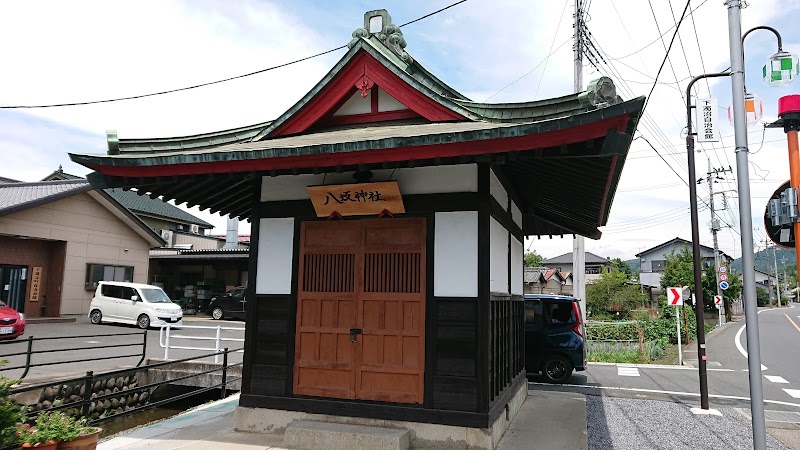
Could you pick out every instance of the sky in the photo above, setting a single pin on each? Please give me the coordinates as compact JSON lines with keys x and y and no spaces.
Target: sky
{"x":499,"y":50}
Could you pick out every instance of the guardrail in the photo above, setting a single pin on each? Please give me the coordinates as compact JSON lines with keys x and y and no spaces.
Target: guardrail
{"x":30,"y":351}
{"x":166,"y":338}
{"x":87,"y":397}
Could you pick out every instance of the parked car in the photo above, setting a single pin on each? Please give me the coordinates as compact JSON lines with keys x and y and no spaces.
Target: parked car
{"x":142,"y":305}
{"x":554,"y":336}
{"x":230,"y":304}
{"x":12,"y":323}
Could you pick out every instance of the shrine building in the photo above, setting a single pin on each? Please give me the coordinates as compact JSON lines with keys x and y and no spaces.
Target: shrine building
{"x":388,"y":219}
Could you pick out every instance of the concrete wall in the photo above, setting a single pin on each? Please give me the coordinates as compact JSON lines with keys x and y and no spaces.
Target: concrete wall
{"x":92,"y":235}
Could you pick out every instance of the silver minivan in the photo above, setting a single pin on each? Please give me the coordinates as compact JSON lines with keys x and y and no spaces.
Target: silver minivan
{"x":142,"y":305}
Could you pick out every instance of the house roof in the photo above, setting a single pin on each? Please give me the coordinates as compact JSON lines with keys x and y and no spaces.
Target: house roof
{"x":533,"y":143}
{"x":566,"y":258}
{"x":20,"y":196}
{"x":59,"y":174}
{"x":15,"y":197}
{"x":4,"y":180}
{"x":142,"y":204}
{"x":678,"y":240}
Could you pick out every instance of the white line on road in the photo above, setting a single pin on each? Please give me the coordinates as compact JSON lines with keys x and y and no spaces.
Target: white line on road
{"x":655,"y":391}
{"x":793,"y":392}
{"x":659,"y":366}
{"x":628,"y":371}
{"x":776,"y":379}
{"x":738,"y":341}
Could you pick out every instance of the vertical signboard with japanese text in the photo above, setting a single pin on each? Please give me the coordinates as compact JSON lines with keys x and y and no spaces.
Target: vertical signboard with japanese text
{"x":707,"y":120}
{"x":36,"y":281}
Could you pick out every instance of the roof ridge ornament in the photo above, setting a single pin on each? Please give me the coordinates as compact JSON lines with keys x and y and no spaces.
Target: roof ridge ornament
{"x":600,"y":93}
{"x":378,"y":23}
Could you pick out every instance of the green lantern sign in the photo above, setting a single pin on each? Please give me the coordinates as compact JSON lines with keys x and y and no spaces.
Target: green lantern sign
{"x":781,"y":69}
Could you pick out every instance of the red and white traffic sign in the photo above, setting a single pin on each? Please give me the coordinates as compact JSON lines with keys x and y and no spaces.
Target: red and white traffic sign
{"x":723,"y":277}
{"x":675,"y":296}
{"x":717,"y":300}
{"x":723,"y":269}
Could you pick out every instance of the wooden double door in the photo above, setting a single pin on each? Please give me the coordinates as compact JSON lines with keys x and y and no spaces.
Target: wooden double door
{"x":361,"y":310}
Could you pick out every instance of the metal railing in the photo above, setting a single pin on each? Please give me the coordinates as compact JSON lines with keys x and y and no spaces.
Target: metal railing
{"x":166,"y":339}
{"x":81,"y":406}
{"x":30,"y":352}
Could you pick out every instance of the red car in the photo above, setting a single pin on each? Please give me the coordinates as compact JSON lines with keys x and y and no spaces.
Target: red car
{"x":12,"y":323}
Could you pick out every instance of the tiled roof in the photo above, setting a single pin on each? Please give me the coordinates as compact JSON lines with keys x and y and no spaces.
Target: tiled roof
{"x":4,"y":180}
{"x":566,"y":258}
{"x":18,"y":196}
{"x":142,"y":204}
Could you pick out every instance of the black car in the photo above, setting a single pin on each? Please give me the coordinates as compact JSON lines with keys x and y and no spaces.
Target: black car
{"x":230,"y":304}
{"x":554,"y":336}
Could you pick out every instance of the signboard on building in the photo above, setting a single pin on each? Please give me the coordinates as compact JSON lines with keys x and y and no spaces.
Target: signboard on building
{"x":357,"y":199}
{"x":36,"y":282}
{"x":707,"y":120}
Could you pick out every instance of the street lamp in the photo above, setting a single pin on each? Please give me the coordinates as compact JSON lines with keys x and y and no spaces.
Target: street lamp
{"x":787,"y":71}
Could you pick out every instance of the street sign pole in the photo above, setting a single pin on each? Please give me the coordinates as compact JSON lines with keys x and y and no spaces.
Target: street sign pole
{"x":789,"y":112}
{"x":675,"y":297}
{"x":678,"y":326}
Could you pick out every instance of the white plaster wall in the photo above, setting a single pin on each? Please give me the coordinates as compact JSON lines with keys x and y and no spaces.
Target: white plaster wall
{"x":275,"y":251}
{"x":93,"y":235}
{"x":516,"y":214}
{"x":498,"y":261}
{"x":455,"y":254}
{"x":388,"y":103}
{"x":516,"y":266}
{"x":497,"y":190}
{"x":356,"y":104}
{"x":418,"y":180}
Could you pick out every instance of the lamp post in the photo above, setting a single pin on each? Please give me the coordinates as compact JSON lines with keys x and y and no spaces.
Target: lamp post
{"x":736,"y":39}
{"x":771,"y":77}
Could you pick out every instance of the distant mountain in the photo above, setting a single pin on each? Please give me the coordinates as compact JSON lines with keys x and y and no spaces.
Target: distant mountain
{"x":635,"y":264}
{"x":763,"y":258}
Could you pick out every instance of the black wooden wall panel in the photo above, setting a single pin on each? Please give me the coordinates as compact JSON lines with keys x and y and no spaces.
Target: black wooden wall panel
{"x":271,"y":347}
{"x":455,"y":362}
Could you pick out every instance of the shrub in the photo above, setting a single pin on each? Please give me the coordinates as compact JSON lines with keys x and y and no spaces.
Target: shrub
{"x":11,"y":413}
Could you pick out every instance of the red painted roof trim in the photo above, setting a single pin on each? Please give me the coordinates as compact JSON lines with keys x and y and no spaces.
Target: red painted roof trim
{"x":479,"y":147}
{"x":341,"y":87}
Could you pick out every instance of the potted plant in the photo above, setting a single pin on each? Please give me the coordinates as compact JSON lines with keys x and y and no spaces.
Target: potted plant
{"x":32,"y":437}
{"x":70,"y":433}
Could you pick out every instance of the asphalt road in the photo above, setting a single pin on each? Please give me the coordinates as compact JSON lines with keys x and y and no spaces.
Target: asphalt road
{"x":107,"y":340}
{"x":728,"y":377}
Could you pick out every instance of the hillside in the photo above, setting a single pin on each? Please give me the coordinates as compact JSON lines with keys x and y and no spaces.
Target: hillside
{"x":763,"y":258}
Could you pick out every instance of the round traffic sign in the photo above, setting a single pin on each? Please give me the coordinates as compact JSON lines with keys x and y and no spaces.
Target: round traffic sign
{"x":723,"y":269}
{"x":723,"y":277}
{"x":724,"y":285}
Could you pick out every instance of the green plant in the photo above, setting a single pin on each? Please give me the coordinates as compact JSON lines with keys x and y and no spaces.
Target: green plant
{"x":11,"y":413}
{"x":58,"y":426}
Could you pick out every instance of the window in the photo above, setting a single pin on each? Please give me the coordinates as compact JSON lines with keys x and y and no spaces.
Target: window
{"x":658,"y":265}
{"x":102,"y":272}
{"x":560,"y":312}
{"x":125,"y":292}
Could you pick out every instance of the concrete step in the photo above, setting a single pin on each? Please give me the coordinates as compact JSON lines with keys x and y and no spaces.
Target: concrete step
{"x":309,"y":435}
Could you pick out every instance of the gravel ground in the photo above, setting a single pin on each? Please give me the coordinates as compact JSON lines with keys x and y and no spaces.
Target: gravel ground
{"x":622,"y":423}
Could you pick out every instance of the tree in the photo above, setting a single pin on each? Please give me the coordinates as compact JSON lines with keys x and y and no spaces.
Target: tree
{"x":612,"y":293}
{"x":678,"y":270}
{"x":710,"y":290}
{"x":533,"y":259}
{"x":622,"y":266}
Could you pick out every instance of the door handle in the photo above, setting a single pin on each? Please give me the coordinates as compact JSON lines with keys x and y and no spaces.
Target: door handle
{"x":355,"y":332}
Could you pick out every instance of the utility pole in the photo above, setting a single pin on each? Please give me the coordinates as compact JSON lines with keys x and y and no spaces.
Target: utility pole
{"x":746,"y":224}
{"x":711,"y":175}
{"x":578,"y":242}
{"x":777,"y":280}
{"x":769,"y":277}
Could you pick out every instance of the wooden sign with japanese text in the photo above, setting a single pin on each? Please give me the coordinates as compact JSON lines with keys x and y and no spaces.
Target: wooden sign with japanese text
{"x":357,"y":199}
{"x":36,"y":282}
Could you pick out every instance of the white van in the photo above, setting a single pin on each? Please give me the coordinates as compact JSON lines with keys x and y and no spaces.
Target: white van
{"x":132,"y":303}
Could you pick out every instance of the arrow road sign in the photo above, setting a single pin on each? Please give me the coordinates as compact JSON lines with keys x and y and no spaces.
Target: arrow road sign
{"x":675,"y":296}
{"x":717,"y":300}
{"x":723,"y":285}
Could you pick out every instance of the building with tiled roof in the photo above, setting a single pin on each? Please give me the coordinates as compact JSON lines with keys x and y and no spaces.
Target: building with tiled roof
{"x":388,"y":214}
{"x":59,"y":238}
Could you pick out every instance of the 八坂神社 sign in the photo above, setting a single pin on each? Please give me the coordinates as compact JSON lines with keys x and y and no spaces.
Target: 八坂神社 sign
{"x":357,"y":199}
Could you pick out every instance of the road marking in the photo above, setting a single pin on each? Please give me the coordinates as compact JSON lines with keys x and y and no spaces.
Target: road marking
{"x":793,"y":392}
{"x":790,"y":320}
{"x":776,"y":379}
{"x":738,"y":340}
{"x":655,"y":391}
{"x":658,"y":366}
{"x":628,"y":371}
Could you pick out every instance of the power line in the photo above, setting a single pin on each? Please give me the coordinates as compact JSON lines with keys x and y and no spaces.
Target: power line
{"x":170,"y":91}
{"x":547,"y":59}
